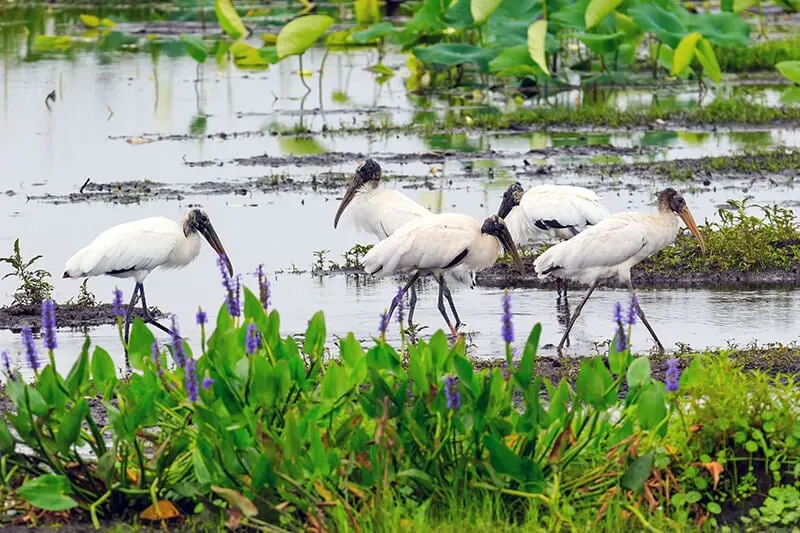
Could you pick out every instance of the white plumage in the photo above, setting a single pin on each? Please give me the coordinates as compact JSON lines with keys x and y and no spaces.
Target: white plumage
{"x":437,"y":244}
{"x":613,"y":246}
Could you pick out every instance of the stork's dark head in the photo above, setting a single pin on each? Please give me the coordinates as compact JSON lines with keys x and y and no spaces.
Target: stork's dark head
{"x":496,"y":227}
{"x":197,"y":221}
{"x":671,"y":200}
{"x":368,"y":174}
{"x":511,"y":198}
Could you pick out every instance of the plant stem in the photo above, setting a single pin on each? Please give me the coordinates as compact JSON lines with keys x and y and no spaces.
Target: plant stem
{"x":302,"y":78}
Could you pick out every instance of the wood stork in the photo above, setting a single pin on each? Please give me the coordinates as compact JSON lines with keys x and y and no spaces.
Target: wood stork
{"x":613,"y":246}
{"x":134,"y":249}
{"x":382,"y":212}
{"x":549,"y":211}
{"x":437,"y":244}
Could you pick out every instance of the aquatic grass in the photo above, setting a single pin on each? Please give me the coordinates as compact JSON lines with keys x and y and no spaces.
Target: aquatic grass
{"x":758,"y":56}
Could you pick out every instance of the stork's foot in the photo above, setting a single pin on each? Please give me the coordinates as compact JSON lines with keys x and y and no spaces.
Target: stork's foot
{"x":454,"y":330}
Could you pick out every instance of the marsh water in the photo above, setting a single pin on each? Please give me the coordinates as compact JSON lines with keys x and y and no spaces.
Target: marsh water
{"x":112,"y":114}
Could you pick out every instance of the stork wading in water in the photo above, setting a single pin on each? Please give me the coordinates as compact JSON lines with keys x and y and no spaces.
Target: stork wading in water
{"x":382,"y":212}
{"x":134,"y":249}
{"x":613,"y":246}
{"x":436,"y":245}
{"x":549,"y":211}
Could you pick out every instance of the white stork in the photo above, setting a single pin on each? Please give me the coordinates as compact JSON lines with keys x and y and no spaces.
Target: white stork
{"x":382,"y":212}
{"x":613,"y":246}
{"x":549,"y":211}
{"x":134,"y":249}
{"x":437,"y":244}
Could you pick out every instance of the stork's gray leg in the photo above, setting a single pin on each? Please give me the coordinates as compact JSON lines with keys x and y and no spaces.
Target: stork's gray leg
{"x":442,"y":310}
{"x":645,"y":322}
{"x":450,"y":301}
{"x":148,"y":317}
{"x":575,"y":317}
{"x":412,"y":303}
{"x":402,"y":292}
{"x":129,"y":313}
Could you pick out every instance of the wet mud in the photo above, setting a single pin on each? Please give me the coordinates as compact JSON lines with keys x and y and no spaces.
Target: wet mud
{"x":14,"y":317}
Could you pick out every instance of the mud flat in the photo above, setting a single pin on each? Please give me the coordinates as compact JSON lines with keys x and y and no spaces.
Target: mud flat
{"x":68,"y":316}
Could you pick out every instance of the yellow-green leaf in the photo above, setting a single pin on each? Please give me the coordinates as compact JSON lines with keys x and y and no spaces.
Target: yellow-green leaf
{"x":706,"y":56}
{"x":482,"y":9}
{"x":229,"y":19}
{"x":537,"y":33}
{"x":684,"y":53}
{"x":90,"y":21}
{"x":301,"y":33}
{"x":367,"y":12}
{"x":598,"y":10}
{"x":236,"y":499}
{"x":246,"y":56}
{"x":741,"y":5}
{"x":790,"y":70}
{"x":626,"y":24}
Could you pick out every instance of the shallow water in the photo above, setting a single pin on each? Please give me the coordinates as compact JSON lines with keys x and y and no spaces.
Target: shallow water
{"x":56,"y":151}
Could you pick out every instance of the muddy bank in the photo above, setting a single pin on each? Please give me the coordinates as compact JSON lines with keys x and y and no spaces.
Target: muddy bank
{"x":67,"y":316}
{"x":505,"y":275}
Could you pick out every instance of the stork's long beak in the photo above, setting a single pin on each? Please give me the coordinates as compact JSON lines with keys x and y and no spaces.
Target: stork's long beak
{"x":505,"y":206}
{"x":348,"y":197}
{"x":211,"y":236}
{"x":508,"y":245}
{"x":688,"y":219}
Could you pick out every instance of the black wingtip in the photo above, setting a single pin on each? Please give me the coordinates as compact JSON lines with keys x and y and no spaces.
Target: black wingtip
{"x":65,"y":275}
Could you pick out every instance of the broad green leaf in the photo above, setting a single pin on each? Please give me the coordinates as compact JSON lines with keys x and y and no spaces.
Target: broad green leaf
{"x":140,"y":345}
{"x":637,"y":472}
{"x":350,"y":350}
{"x":367,"y":12}
{"x":90,"y":21}
{"x":452,"y":54}
{"x":301,"y":33}
{"x":376,"y":31}
{"x":599,"y":10}
{"x":246,"y":56}
{"x":7,"y":443}
{"x":195,"y":47}
{"x":524,"y":372}
{"x":791,"y":96}
{"x":652,"y":409}
{"x":237,"y":499}
{"x":639,"y":372}
{"x":653,"y":18}
{"x":514,"y":59}
{"x":721,"y":29}
{"x":503,"y":460}
{"x":537,"y":34}
{"x":48,"y":492}
{"x":229,"y":19}
{"x":594,"y":383}
{"x":741,"y":5}
{"x":684,"y":53}
{"x":602,"y":43}
{"x":70,"y":427}
{"x":790,"y":70}
{"x":104,"y":372}
{"x":626,"y":24}
{"x":481,"y":10}
{"x":78,"y":377}
{"x":314,"y":342}
{"x":706,"y":56}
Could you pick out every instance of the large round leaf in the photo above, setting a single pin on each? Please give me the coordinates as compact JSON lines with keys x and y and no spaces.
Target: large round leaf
{"x":684,"y":53}
{"x":49,"y":492}
{"x":301,"y":33}
{"x":196,"y":47}
{"x":452,"y":54}
{"x":229,"y":19}
{"x":721,"y":29}
{"x":483,"y":9}
{"x":598,"y":10}
{"x":790,"y":70}
{"x":653,"y":18}
{"x":537,"y":34}
{"x":706,"y":56}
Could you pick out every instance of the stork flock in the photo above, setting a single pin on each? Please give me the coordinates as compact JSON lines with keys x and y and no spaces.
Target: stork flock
{"x":593,"y":244}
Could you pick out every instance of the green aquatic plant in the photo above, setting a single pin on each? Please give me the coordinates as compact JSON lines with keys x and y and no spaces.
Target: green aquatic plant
{"x":34,"y":286}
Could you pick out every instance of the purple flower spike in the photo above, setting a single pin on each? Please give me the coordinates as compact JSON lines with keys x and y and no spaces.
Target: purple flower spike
{"x":156,"y":356}
{"x":451,"y":393}
{"x":49,"y":324}
{"x":237,"y":307}
{"x":30,"y":348}
{"x":622,"y":341}
{"x":253,"y":339}
{"x":7,"y":366}
{"x":190,"y":380}
{"x":231,"y":287}
{"x":178,"y":353}
{"x":263,"y":287}
{"x":618,"y":313}
{"x":399,"y":301}
{"x":633,"y":310}
{"x":207,"y":382}
{"x":117,"y":303}
{"x":508,"y":326}
{"x":673,"y":375}
{"x":383,"y":324}
{"x":201,"y":317}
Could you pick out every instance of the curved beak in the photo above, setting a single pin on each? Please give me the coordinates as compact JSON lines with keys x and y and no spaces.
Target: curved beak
{"x":211,"y":236}
{"x":348,"y":197}
{"x":688,"y":219}
{"x":508,"y":245}
{"x":505,"y":206}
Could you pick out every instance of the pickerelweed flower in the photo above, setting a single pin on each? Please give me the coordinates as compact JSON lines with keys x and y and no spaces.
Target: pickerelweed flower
{"x":201,"y":317}
{"x":618,"y":313}
{"x":7,"y":365}
{"x":673,"y":375}
{"x":231,"y":288}
{"x":116,"y":304}
{"x":451,"y":393}
{"x":508,"y":326}
{"x":190,"y":380}
{"x":30,"y":348}
{"x":383,"y":325}
{"x":263,"y":287}
{"x":178,"y":353}
{"x":399,"y":301}
{"x":633,"y":310}
{"x":253,"y":339}
{"x":155,"y":354}
{"x":621,"y":338}
{"x":207,"y":382}
{"x":49,"y":324}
